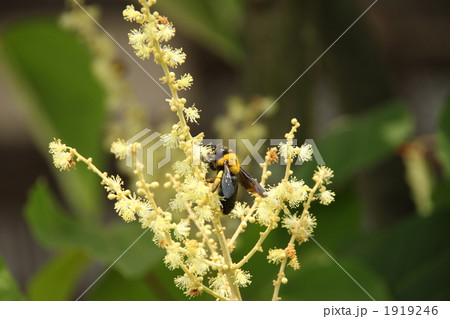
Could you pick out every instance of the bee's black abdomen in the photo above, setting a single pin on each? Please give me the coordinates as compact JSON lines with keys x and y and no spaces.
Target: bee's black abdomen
{"x":228,"y":203}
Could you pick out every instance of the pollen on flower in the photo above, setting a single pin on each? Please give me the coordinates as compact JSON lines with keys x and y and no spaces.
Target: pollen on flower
{"x":302,"y":227}
{"x":197,"y":266}
{"x":242,"y":278}
{"x":240,"y":210}
{"x":220,"y":285}
{"x":195,"y":189}
{"x":61,"y":158}
{"x":182,"y":229}
{"x":286,"y":150}
{"x":184,"y":82}
{"x":192,"y":114}
{"x":325,"y":196}
{"x":173,"y":57}
{"x":300,"y":191}
{"x":170,"y":140}
{"x":267,"y":211}
{"x":308,"y":223}
{"x":185,"y":283}
{"x":293,"y":263}
{"x":304,"y":152}
{"x":56,"y":146}
{"x":141,"y":41}
{"x":165,"y":31}
{"x":293,"y":191}
{"x":125,"y":208}
{"x":204,"y":212}
{"x":193,"y":292}
{"x":113,"y":184}
{"x":147,"y":218}
{"x":178,"y":203}
{"x":291,"y":223}
{"x":130,"y":14}
{"x":276,"y":256}
{"x":163,"y":20}
{"x":291,"y":253}
{"x":272,"y":155}
{"x":194,"y":249}
{"x":160,"y":225}
{"x":323,"y":174}
{"x":119,"y":149}
{"x":137,"y":39}
{"x":182,"y":167}
{"x":141,"y":207}
{"x":174,"y":257}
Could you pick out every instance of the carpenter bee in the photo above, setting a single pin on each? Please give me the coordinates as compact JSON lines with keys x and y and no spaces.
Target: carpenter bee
{"x":229,"y":172}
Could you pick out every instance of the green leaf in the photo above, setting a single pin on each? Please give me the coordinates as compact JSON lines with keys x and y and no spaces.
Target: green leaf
{"x":319,"y":278}
{"x":58,"y":279}
{"x":48,"y":221}
{"x":114,"y":287}
{"x":56,"y":229}
{"x":8,"y":286}
{"x":443,"y":137}
{"x":425,"y":281}
{"x":355,"y":143}
{"x":161,"y":281}
{"x":412,"y":257}
{"x":327,"y":281}
{"x":50,"y":73}
{"x":338,"y":222}
{"x":139,"y":258}
{"x":214,"y":24}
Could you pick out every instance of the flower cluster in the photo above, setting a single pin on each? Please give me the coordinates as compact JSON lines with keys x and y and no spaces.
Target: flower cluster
{"x":62,"y":157}
{"x":190,"y":230}
{"x":155,"y":29}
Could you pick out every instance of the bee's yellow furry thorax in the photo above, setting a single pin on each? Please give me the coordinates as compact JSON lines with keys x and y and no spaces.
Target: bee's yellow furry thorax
{"x":233,"y":162}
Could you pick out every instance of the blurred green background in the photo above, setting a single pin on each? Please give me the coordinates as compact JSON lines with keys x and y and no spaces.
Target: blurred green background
{"x":376,"y":104}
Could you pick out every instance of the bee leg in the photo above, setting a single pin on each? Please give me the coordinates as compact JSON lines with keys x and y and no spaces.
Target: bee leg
{"x":217,"y":181}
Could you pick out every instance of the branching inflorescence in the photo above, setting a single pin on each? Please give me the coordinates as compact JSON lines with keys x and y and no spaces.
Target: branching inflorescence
{"x":196,"y":243}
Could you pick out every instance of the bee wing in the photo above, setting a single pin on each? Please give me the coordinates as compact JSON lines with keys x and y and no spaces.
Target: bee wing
{"x":250,"y":184}
{"x":227,"y":182}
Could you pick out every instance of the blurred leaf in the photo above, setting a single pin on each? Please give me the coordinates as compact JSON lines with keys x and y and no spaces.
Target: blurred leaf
{"x":440,"y":196}
{"x":326,"y":281}
{"x":162,"y":282}
{"x":413,"y":257}
{"x":142,"y":256}
{"x":319,"y":278}
{"x":419,"y":176}
{"x":61,"y":96}
{"x":48,"y":222}
{"x":339,"y":221}
{"x":57,"y":280}
{"x":443,"y":136}
{"x":8,"y":286}
{"x":214,"y":24}
{"x":114,"y":287}
{"x":355,"y":143}
{"x":429,"y":280}
{"x":56,"y":229}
